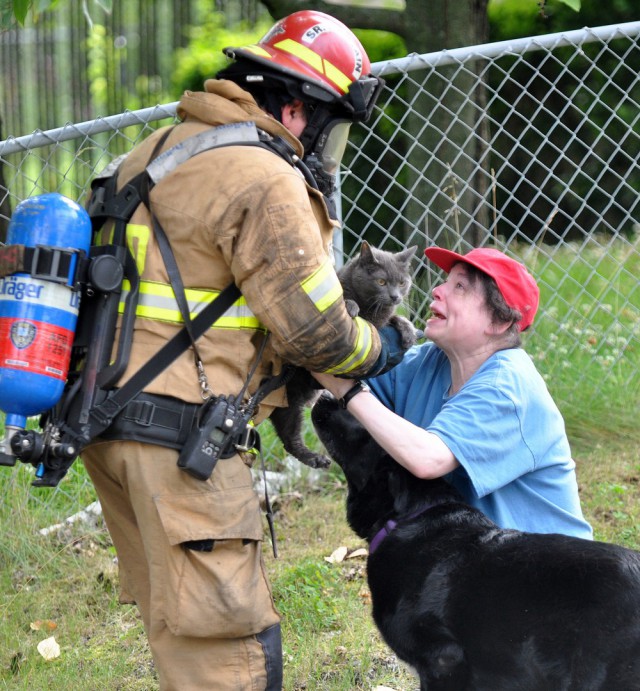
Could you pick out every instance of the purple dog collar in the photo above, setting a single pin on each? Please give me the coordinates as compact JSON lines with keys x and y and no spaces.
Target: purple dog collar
{"x":381,"y":534}
{"x":391,"y":525}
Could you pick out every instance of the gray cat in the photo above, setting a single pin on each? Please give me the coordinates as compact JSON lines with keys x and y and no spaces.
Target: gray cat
{"x":374,"y":283}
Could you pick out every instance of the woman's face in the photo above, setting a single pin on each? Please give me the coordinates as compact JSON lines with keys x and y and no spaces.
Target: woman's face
{"x":460,"y":320}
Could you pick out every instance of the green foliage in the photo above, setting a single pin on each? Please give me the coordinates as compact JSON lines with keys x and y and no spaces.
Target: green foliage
{"x":203,"y":58}
{"x":513,"y":18}
{"x":12,"y":11}
{"x":100,"y":63}
{"x":21,"y":8}
{"x":592,"y":340}
{"x":381,"y":45}
{"x":519,"y":18}
{"x":582,"y":101}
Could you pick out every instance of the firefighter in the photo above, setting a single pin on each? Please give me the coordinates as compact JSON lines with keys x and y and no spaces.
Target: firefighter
{"x":189,"y":550}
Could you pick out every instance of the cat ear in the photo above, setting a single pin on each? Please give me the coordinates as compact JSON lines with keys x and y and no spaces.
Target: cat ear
{"x":407,"y":255}
{"x":366,"y":252}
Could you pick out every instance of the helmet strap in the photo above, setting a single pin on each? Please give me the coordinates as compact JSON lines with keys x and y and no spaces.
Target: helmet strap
{"x":317,"y":117}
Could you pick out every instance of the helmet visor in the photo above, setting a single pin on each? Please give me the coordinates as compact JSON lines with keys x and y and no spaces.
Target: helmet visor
{"x":332,"y":144}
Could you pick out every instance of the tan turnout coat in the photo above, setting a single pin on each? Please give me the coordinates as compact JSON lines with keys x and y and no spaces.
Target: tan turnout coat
{"x":242,"y":214}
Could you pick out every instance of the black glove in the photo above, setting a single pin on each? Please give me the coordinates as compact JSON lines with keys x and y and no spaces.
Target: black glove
{"x":391,"y":351}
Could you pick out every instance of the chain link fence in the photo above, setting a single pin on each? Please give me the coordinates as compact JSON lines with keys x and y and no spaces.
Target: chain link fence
{"x":529,"y":145}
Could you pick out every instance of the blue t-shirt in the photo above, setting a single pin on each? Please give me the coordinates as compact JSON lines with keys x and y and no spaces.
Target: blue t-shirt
{"x":505,"y":431}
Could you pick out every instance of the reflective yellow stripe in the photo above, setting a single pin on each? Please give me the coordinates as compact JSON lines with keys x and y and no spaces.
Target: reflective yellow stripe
{"x":138,"y":242}
{"x":361,"y":351}
{"x":336,"y":76}
{"x":288,"y":45}
{"x":323,"y":287}
{"x":157,"y":301}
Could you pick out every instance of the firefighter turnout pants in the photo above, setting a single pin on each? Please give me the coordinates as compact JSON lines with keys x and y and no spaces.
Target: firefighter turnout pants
{"x":190,"y":556}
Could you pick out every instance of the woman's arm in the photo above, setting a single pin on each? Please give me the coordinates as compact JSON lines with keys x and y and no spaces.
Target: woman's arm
{"x":422,"y":453}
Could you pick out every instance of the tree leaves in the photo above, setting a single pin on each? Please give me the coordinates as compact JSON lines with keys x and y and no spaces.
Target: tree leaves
{"x":18,"y":10}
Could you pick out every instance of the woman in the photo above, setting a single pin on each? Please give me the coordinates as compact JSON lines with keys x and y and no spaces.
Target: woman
{"x":470,"y":405}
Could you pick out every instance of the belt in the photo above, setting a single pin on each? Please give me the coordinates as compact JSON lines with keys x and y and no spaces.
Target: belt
{"x":153,"y":419}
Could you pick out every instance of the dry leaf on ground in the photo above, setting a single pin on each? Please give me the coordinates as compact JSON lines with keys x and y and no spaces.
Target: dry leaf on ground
{"x":43,"y":625}
{"x":337,"y":555}
{"x":49,"y":648}
{"x":341,"y":553}
{"x":361,"y":552}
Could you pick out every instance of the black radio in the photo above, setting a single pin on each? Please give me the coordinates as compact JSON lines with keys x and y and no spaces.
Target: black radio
{"x":221,"y":430}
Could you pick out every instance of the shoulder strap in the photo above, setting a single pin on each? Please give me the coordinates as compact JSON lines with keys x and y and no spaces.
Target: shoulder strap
{"x":234,"y":134}
{"x":103,"y":414}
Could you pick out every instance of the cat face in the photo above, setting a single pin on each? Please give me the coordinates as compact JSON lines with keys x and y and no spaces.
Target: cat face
{"x":379,"y":279}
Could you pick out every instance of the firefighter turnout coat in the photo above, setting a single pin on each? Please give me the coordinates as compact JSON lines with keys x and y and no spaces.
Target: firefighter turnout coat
{"x":240,"y":214}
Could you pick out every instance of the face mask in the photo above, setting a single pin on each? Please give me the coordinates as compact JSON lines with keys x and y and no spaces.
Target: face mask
{"x":324,"y":159}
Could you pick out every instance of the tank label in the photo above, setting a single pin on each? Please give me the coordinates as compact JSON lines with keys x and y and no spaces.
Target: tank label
{"x":30,"y":290}
{"x":36,"y":347}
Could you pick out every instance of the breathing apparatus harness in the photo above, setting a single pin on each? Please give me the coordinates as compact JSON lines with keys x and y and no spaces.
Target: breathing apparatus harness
{"x":90,"y":406}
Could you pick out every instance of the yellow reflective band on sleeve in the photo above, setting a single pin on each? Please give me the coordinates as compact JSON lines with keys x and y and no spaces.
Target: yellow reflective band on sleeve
{"x":288,"y":45}
{"x":361,"y":351}
{"x":323,"y":287}
{"x":157,"y":301}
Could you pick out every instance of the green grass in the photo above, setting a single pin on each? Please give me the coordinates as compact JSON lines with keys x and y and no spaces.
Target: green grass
{"x":329,"y":639}
{"x":585,"y":343}
{"x":586,"y":340}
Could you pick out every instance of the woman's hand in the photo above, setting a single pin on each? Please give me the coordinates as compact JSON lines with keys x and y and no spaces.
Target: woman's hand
{"x":422,"y":453}
{"x":336,"y":385}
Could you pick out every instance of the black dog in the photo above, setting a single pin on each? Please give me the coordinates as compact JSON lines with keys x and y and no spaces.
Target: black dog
{"x":473,"y":607}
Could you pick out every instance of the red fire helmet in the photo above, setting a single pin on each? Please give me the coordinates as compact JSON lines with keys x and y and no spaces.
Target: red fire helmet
{"x":313,"y":47}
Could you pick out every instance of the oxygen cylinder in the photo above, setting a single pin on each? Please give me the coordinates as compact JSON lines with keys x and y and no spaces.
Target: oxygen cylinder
{"x":38,"y":313}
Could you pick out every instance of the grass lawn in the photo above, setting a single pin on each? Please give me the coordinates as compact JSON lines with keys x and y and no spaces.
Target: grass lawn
{"x":65,"y":585}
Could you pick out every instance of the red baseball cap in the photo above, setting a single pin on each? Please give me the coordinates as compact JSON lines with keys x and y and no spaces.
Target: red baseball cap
{"x":517,"y":285}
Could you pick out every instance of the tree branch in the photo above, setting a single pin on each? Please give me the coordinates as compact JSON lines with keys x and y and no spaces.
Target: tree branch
{"x":353,"y":17}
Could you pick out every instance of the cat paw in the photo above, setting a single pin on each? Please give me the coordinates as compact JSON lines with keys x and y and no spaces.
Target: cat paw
{"x":314,"y":460}
{"x":352,"y":308}
{"x":408,"y":332}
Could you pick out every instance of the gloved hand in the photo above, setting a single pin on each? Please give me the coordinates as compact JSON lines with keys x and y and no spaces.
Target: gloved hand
{"x":391,"y":352}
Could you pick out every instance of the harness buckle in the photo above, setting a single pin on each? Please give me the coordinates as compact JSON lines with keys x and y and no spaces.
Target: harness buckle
{"x":141,"y":412}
